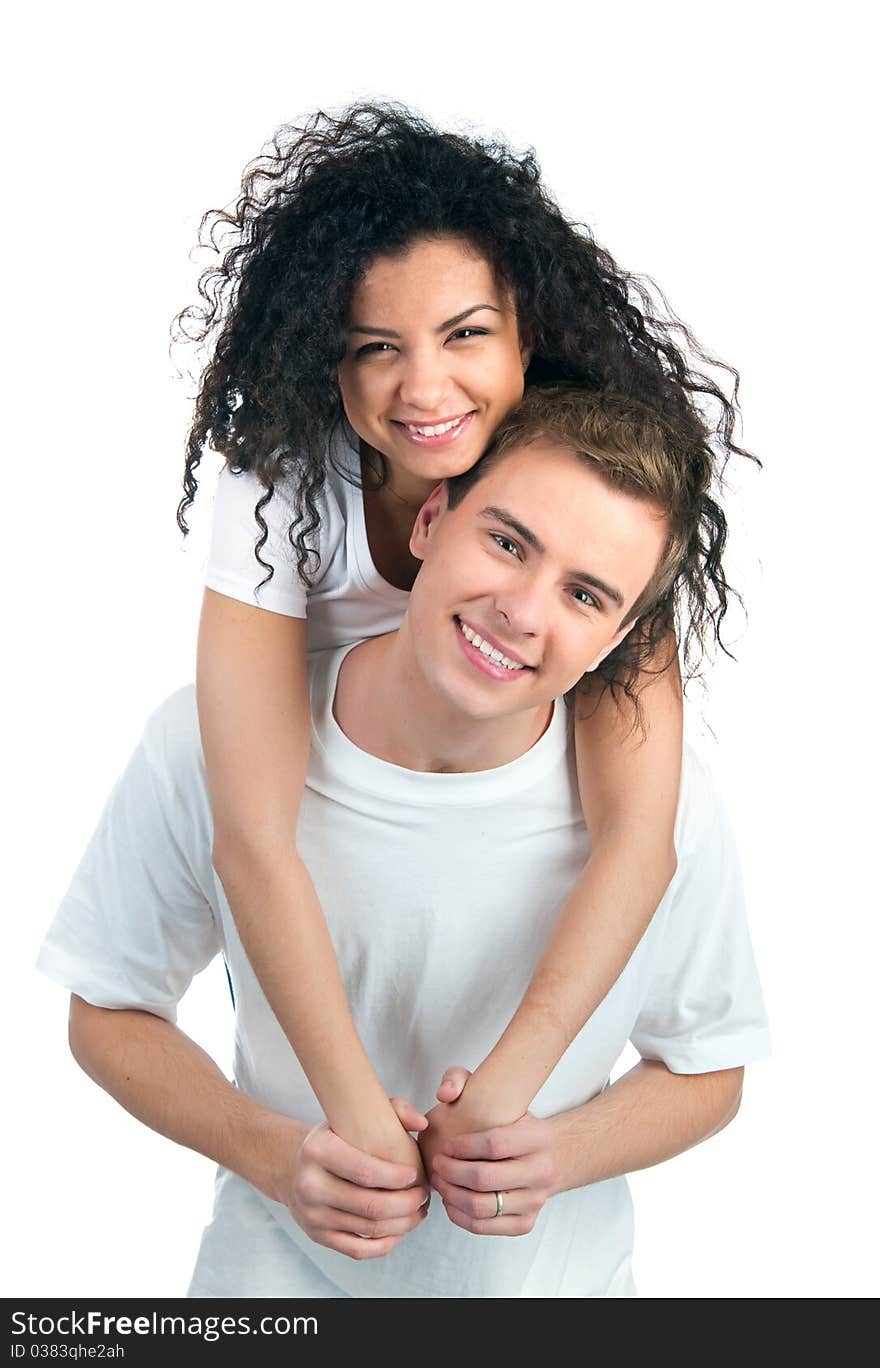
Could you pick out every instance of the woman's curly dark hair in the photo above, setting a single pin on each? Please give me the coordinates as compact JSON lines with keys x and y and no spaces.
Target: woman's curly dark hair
{"x":319,"y":206}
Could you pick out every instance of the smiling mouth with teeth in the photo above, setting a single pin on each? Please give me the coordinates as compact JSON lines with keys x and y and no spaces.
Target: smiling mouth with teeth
{"x":491,"y":652}
{"x":435,"y":429}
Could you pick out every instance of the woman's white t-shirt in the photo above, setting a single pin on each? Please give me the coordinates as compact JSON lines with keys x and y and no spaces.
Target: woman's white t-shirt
{"x":348,"y":600}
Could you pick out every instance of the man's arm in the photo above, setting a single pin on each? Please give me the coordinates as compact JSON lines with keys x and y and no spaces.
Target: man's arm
{"x":647,"y":1116}
{"x":334,"y":1191}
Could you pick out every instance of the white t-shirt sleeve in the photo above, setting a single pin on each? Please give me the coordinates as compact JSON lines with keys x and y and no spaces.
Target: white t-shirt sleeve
{"x":136,"y":925}
{"x":233,"y":568}
{"x":704,"y":1009}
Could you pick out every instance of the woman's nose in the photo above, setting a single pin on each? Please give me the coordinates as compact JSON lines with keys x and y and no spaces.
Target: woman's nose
{"x":425,"y":384}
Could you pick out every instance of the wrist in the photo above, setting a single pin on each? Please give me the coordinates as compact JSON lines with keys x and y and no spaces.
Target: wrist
{"x":571,"y":1150}
{"x":268,"y":1154}
{"x":494,"y":1096}
{"x":518,"y":1066}
{"x":366,"y":1120}
{"x":382,"y":1134}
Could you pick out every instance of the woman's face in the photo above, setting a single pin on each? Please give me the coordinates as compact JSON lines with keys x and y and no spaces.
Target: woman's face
{"x":433,"y":361}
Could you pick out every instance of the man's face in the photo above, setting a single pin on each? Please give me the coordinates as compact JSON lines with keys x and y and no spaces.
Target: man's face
{"x":539,"y":564}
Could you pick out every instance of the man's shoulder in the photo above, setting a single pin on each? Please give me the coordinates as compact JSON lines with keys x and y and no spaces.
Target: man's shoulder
{"x":700,"y":804}
{"x":171,"y":741}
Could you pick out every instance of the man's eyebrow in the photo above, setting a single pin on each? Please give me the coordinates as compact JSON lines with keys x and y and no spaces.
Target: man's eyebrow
{"x":524,"y":533}
{"x":449,"y":322}
{"x":527,"y":535}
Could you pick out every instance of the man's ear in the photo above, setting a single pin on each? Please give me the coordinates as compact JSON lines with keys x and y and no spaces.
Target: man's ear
{"x":429,"y":514}
{"x":615,"y":641}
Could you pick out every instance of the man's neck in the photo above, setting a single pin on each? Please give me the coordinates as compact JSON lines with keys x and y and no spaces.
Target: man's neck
{"x":386,"y":707}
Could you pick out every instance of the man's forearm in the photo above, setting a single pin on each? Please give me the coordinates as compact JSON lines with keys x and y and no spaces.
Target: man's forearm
{"x":647,"y":1116}
{"x":165,"y":1080}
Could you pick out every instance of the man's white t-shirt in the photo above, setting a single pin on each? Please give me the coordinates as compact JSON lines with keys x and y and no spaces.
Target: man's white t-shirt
{"x":439,"y":891}
{"x":348,"y":599}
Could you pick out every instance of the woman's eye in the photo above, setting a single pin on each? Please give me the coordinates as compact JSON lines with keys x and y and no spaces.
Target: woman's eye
{"x":505,"y":543}
{"x":374,"y":348}
{"x":469,"y":332}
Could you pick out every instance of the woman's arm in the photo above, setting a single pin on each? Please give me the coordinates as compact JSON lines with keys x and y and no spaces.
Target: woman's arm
{"x":254,"y":717}
{"x":629,"y":792}
{"x":165,"y":1080}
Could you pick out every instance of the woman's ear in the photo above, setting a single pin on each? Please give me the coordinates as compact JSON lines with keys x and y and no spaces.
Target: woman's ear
{"x":429,"y":514}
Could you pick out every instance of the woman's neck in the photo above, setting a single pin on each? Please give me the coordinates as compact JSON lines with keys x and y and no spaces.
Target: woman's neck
{"x":389,"y":515}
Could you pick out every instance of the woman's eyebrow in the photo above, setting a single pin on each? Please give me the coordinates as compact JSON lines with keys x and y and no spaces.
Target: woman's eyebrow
{"x":459,"y":318}
{"x":441,"y":327}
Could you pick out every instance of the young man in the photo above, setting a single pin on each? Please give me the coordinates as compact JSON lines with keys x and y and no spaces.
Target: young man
{"x":441,"y":825}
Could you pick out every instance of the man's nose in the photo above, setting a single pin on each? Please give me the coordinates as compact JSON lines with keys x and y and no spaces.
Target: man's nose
{"x":425,"y":385}
{"x":522,"y":606}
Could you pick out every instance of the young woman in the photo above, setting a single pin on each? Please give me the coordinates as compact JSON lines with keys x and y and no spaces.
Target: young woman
{"x":387,"y":294}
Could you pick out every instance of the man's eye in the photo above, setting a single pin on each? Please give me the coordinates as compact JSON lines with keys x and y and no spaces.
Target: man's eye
{"x":585,"y":597}
{"x":505,"y":543}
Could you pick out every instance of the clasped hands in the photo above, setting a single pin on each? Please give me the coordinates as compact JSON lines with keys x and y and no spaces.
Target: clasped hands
{"x":361,"y":1206}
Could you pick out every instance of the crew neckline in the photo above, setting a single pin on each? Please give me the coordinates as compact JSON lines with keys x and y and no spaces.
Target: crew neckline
{"x":364,"y":771}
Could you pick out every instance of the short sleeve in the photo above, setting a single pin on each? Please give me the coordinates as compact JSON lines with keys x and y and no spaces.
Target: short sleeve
{"x":233,"y":568}
{"x":704,"y":1008}
{"x":136,"y":924}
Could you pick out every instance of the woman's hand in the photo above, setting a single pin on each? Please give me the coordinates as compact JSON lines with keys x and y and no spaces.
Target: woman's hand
{"x":347,"y":1200}
{"x":468,"y":1169}
{"x":386,"y":1138}
{"x":465,"y":1108}
{"x":453,"y":1116}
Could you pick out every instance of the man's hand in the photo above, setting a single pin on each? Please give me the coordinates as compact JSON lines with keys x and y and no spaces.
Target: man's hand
{"x":349,"y":1201}
{"x":468,"y":1168}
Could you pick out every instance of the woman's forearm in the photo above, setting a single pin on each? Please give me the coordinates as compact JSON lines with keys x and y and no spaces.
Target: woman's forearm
{"x":254,"y":718}
{"x":594,"y":936}
{"x":628,"y":781}
{"x":271,"y":893}
{"x":647,"y":1116}
{"x":159,"y":1075}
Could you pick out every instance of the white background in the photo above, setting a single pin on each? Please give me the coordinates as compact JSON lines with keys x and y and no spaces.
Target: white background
{"x":722,"y":149}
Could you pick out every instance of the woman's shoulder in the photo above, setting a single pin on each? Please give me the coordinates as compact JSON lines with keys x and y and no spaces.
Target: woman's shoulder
{"x":262,"y":542}
{"x":244,"y":493}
